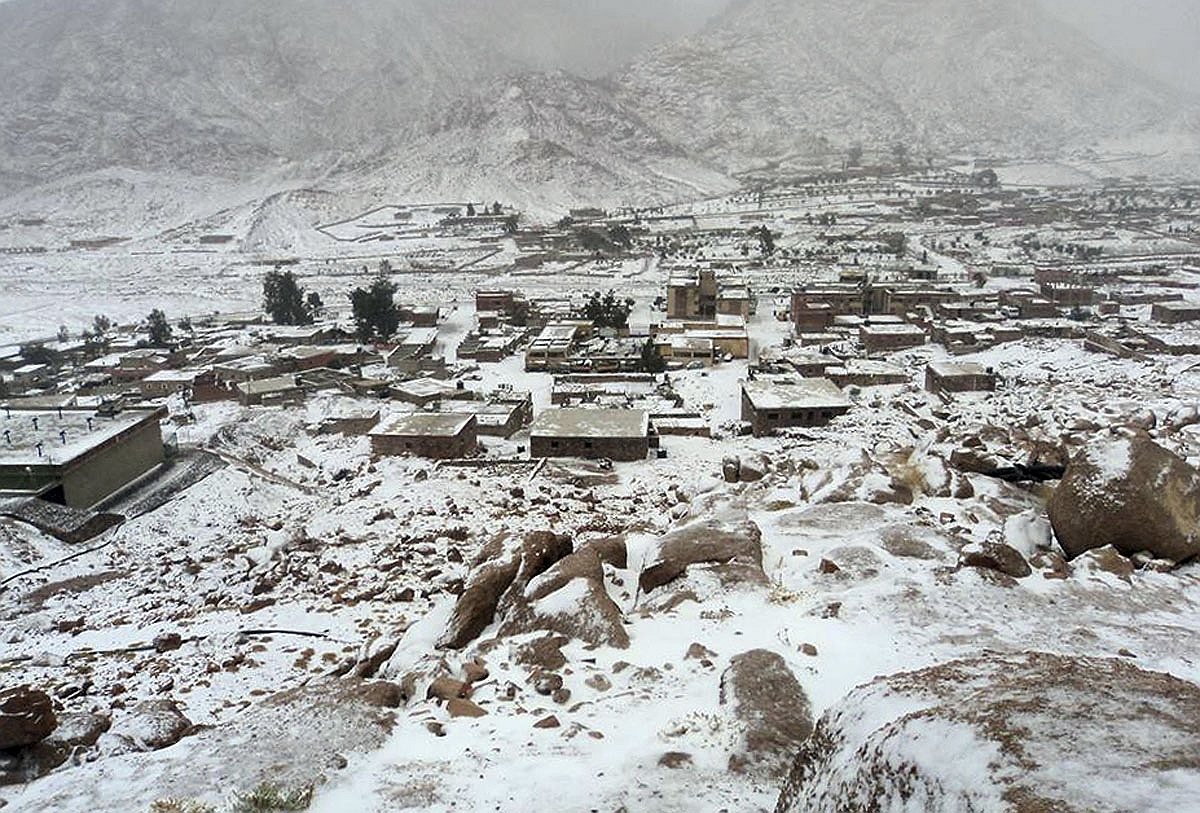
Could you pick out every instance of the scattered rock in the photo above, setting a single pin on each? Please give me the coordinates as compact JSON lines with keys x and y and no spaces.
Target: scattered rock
{"x":459,"y":707}
{"x":611,"y":551}
{"x":771,"y":709}
{"x":547,"y":722}
{"x":731,"y":469}
{"x":152,"y":725}
{"x":475,"y":671}
{"x":995,"y":556}
{"x":1026,"y":731}
{"x":498,"y":579}
{"x":599,"y":682}
{"x":828,"y":567}
{"x":699,"y":652}
{"x":168,"y":642}
{"x":753,"y":468}
{"x":675,"y":760}
{"x":446,"y":688}
{"x":1105,"y":560}
{"x":26,"y":717}
{"x":543,"y":653}
{"x":1132,"y":494}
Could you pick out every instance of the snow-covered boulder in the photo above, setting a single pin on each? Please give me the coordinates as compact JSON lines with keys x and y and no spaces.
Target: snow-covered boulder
{"x":1130,"y":493}
{"x":497,"y":580}
{"x":730,"y":540}
{"x":151,"y":726}
{"x":1018,"y":732}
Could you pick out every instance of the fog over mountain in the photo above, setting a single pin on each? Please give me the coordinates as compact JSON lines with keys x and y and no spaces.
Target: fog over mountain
{"x":546,"y":96}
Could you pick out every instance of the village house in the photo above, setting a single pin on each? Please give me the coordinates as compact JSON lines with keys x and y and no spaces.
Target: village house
{"x":942,"y":377}
{"x":169,"y":382}
{"x":814,"y":307}
{"x":431,"y":435}
{"x":888,"y":338}
{"x":76,"y":457}
{"x":425,"y":391}
{"x":613,"y":434}
{"x":770,"y":405}
{"x":1173,"y":313}
{"x":281,"y":391}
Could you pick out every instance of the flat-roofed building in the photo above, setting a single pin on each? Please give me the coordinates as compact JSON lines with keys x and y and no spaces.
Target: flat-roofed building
{"x":168,"y":382}
{"x":944,"y":376}
{"x":282,"y":391}
{"x":1172,"y":313}
{"x":614,"y":434}
{"x":433,"y":435}
{"x":426,"y":391}
{"x":771,"y":405}
{"x":888,"y":338}
{"x":76,"y":457}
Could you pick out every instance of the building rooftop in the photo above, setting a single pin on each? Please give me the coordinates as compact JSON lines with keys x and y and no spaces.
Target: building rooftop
{"x":592,"y":423}
{"x":423,"y":424}
{"x":425,"y":388}
{"x":947,"y":369}
{"x":804,"y":393}
{"x":265,"y":386}
{"x":64,"y":435}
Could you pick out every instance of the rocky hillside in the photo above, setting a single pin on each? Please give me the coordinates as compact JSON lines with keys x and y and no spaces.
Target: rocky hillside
{"x":217,"y":84}
{"x":774,"y":77}
{"x":429,"y":98}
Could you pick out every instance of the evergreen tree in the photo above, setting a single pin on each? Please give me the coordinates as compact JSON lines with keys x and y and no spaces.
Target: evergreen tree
{"x":497,"y":209}
{"x":375,"y":313}
{"x":606,"y":310}
{"x":283,"y":299}
{"x":101,"y":325}
{"x":652,"y":360}
{"x":313,"y":305}
{"x":470,"y":210}
{"x":510,"y":224}
{"x":160,"y":330}
{"x":63,"y":334}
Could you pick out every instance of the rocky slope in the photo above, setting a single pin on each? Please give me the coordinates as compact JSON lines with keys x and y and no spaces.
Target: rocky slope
{"x":422,"y":97}
{"x":773,"y":77}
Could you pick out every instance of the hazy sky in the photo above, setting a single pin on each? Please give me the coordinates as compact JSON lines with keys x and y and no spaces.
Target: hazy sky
{"x":1162,"y":37}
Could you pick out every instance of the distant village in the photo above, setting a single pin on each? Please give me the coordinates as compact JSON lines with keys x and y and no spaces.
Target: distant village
{"x":841,"y":294}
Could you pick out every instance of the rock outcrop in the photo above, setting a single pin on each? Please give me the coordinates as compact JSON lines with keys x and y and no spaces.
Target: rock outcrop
{"x":537,"y":585}
{"x":1021,"y":732}
{"x":1130,"y":493}
{"x":730,"y":541}
{"x":771,"y":709}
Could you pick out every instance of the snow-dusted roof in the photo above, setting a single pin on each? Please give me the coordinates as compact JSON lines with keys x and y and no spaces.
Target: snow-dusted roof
{"x":77,"y":438}
{"x":804,"y":393}
{"x":423,"y":424}
{"x":592,"y":423}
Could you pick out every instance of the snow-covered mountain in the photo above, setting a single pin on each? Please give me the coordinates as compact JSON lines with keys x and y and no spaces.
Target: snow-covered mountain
{"x":774,"y":77}
{"x":207,"y":85}
{"x":429,"y":97}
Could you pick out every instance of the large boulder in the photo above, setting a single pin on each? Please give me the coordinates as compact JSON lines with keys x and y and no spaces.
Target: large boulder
{"x":1130,"y":493}
{"x":1020,"y":732}
{"x":26,"y":717}
{"x":729,"y":539}
{"x":151,"y":726}
{"x":772,"y":711}
{"x":497,"y":581}
{"x":581,"y":609}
